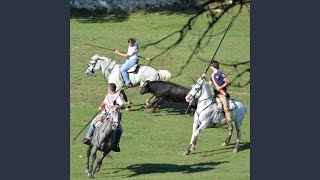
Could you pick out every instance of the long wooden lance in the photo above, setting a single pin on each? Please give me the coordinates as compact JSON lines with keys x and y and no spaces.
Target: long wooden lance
{"x":113,"y":50}
{"x":214,"y":55}
{"x":219,"y":44}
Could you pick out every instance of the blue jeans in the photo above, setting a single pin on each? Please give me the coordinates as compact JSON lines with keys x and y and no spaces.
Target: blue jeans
{"x":118,"y":134}
{"x":91,"y":127}
{"x":125,"y":67}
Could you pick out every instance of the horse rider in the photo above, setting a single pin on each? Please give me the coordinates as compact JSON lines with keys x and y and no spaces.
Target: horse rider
{"x":220,"y":82}
{"x":107,"y":104}
{"x":132,"y":59}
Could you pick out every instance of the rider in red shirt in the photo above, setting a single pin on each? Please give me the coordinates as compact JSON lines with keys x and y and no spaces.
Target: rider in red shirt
{"x":107,"y":104}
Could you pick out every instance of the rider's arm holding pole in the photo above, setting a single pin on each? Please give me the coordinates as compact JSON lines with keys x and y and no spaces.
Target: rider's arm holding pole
{"x":133,"y":49}
{"x":121,"y":53}
{"x":204,"y":77}
{"x":101,"y":106}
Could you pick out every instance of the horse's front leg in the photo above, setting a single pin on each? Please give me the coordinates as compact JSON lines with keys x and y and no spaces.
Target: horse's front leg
{"x":94,"y":156}
{"x":193,"y":139}
{"x":99,"y":163}
{"x":88,"y":157}
{"x":148,"y":100}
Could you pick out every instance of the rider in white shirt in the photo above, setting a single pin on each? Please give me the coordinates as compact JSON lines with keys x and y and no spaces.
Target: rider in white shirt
{"x":132,"y":59}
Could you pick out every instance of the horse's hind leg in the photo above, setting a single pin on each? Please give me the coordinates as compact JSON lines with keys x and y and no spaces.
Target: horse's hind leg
{"x":227,"y":141}
{"x":125,"y":98}
{"x":88,"y":158}
{"x":236,"y":147}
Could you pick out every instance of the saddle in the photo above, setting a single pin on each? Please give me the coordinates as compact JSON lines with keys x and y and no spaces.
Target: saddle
{"x":230,"y":104}
{"x":220,"y":109}
{"x":134,"y":69}
{"x":100,"y":120}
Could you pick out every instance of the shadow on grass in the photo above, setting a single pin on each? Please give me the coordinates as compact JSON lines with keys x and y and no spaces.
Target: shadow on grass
{"x":169,"y":107}
{"x":228,"y":149}
{"x":138,"y":107}
{"x":141,"y":169}
{"x":174,"y":108}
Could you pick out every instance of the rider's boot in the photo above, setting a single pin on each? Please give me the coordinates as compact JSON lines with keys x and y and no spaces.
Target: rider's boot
{"x":86,"y":141}
{"x":116,"y":148}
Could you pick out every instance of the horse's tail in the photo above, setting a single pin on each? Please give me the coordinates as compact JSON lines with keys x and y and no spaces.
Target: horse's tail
{"x":164,"y":75}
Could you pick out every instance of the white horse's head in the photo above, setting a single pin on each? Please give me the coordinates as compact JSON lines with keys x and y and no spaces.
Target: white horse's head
{"x":93,"y":65}
{"x":196,"y":91}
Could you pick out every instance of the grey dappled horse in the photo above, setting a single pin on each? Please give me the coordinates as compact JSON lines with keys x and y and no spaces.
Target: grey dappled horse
{"x":103,"y":140}
{"x":111,"y":72}
{"x":206,"y":114}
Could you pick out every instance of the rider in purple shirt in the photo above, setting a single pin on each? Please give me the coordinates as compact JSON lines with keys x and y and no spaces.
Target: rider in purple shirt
{"x":220,"y":82}
{"x":219,"y":77}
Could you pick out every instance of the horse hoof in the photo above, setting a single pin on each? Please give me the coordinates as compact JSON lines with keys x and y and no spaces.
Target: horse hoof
{"x":151,"y":110}
{"x":185,"y":153}
{"x":223,"y":144}
{"x":90,"y":175}
{"x":127,"y":109}
{"x":235,"y":150}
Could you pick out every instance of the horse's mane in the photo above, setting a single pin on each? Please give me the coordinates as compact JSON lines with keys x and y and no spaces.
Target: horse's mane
{"x":103,"y":57}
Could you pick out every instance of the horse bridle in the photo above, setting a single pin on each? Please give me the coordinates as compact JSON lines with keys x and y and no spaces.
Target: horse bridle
{"x":193,"y":96}
{"x":109,"y":114}
{"x":95,"y":62}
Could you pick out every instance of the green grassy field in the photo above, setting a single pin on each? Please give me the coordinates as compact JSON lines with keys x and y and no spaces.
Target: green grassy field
{"x":152,"y":144}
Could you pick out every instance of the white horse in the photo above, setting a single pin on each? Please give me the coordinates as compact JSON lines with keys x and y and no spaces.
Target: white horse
{"x":207,"y":116}
{"x":111,"y":72}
